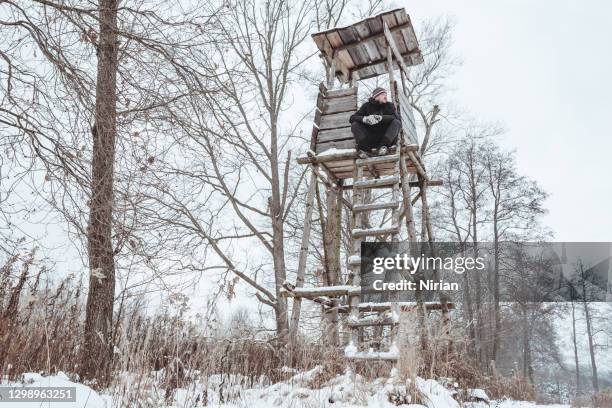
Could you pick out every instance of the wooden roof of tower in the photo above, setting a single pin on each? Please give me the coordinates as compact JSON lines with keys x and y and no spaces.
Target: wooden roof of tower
{"x":360,"y":49}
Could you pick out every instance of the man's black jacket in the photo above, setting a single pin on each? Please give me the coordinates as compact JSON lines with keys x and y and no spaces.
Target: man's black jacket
{"x":372,"y":107}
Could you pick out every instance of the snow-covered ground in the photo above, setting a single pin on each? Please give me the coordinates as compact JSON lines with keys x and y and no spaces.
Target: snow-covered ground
{"x":302,"y":390}
{"x":85,"y":396}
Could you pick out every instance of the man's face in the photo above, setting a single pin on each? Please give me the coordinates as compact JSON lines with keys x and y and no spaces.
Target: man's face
{"x":381,"y":98}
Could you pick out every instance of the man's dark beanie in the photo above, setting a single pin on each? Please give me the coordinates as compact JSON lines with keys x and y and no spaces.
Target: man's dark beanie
{"x":378,"y":91}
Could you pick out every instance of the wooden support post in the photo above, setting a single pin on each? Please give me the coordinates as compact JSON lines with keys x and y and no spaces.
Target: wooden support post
{"x":356,"y":268}
{"x":428,"y":231}
{"x":391,"y":77}
{"x":394,"y":100}
{"x":332,"y":244}
{"x":322,"y":225}
{"x":331,"y":74}
{"x":417,"y":164}
{"x":412,"y":246}
{"x":330,"y":235}
{"x":339,"y":200}
{"x":407,"y":202}
{"x":404,"y":79}
{"x":295,"y":312}
{"x":395,"y":216}
{"x":423,"y":209}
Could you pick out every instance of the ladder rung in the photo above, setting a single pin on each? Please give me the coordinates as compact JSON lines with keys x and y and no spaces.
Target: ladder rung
{"x":366,"y":322}
{"x":331,"y":291}
{"x":354,"y":260}
{"x":384,"y":306}
{"x":371,"y":232}
{"x":376,"y":206}
{"x":379,"y":182}
{"x":372,"y":355}
{"x":390,"y":158}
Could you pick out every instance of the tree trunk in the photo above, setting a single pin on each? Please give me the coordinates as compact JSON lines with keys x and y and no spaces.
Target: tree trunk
{"x":331,"y":241}
{"x":574,"y":340}
{"x":587,"y":315}
{"x":299,"y":282}
{"x":477,"y":322}
{"x":496,"y":317}
{"x":589,"y":323}
{"x":527,"y":369}
{"x":412,"y":248}
{"x":278,"y":253}
{"x":97,"y":347}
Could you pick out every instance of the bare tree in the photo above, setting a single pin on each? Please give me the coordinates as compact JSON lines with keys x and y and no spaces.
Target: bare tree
{"x":575,"y":344}
{"x":516,"y":205}
{"x":485,"y":198}
{"x":55,"y":91}
{"x":428,"y":83}
{"x":583,"y":284}
{"x":239,"y":130}
{"x":97,"y":345}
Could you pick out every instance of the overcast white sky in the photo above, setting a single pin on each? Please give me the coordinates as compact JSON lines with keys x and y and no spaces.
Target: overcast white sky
{"x":542,"y":68}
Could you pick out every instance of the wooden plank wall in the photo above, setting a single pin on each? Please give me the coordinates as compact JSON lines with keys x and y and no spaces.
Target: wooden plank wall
{"x":334,"y":129}
{"x":408,"y":122}
{"x":334,"y":108}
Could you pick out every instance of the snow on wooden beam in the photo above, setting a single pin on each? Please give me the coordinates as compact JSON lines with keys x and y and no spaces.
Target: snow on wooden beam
{"x":374,"y":320}
{"x":431,"y":183}
{"x":342,"y":154}
{"x":376,"y":206}
{"x":373,"y":232}
{"x":377,"y":182}
{"x":350,"y":352}
{"x":390,"y":158}
{"x":329,"y":291}
{"x":403,"y":306}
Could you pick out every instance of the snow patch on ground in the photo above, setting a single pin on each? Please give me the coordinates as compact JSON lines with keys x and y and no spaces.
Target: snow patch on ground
{"x":85,"y":396}
{"x":348,"y":390}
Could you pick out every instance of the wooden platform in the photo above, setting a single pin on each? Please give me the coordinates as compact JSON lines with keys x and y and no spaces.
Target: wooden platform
{"x":341,"y":163}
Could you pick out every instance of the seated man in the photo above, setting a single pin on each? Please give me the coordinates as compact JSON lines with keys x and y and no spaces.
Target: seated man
{"x":376,"y":124}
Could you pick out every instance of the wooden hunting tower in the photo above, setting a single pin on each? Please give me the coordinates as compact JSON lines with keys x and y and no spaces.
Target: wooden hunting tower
{"x":385,"y":44}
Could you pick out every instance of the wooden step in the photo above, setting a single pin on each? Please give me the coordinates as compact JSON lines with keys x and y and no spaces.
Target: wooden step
{"x":329,"y":291}
{"x":375,"y":183}
{"x":390,"y":158}
{"x":403,"y":306}
{"x":373,"y":232}
{"x":354,"y":260}
{"x":373,"y":355}
{"x":373,"y":321}
{"x":432,"y":183}
{"x":376,"y":206}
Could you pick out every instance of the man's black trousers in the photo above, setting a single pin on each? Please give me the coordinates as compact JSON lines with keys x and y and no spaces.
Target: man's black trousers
{"x":372,"y":137}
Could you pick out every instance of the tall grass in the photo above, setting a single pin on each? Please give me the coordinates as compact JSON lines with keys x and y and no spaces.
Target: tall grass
{"x":41,"y":327}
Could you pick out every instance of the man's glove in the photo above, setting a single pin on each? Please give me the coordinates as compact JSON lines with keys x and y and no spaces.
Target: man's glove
{"x":372,"y":119}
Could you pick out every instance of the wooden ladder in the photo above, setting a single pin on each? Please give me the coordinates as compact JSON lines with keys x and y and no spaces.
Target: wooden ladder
{"x":358,"y":235}
{"x":347,"y":298}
